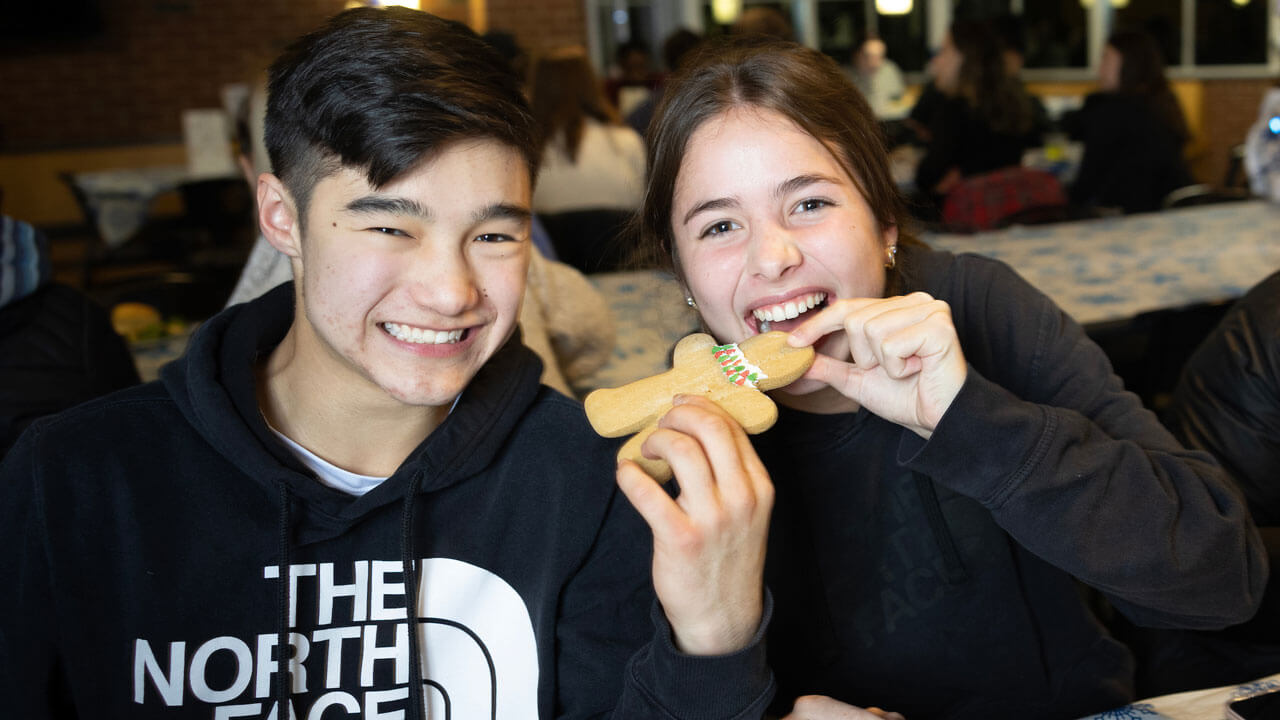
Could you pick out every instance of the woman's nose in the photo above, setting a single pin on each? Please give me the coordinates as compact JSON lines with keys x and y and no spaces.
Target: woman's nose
{"x":773,"y":252}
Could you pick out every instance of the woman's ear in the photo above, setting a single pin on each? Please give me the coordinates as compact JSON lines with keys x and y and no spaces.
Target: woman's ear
{"x":278,"y":216}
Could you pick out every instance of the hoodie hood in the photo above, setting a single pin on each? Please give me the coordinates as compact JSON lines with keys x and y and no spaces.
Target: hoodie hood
{"x":214,"y":385}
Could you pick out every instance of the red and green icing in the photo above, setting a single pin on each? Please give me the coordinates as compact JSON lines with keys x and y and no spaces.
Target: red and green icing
{"x":735,"y":367}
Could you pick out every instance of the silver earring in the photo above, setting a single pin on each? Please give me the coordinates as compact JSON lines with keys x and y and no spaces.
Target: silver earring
{"x":688,"y":300}
{"x":892,"y":262}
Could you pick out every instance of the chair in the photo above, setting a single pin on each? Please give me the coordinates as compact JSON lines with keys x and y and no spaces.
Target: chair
{"x":1235,"y":176}
{"x":1201,"y":194}
{"x":983,"y":202}
{"x":593,"y":241}
{"x":217,"y":224}
{"x":149,"y":252}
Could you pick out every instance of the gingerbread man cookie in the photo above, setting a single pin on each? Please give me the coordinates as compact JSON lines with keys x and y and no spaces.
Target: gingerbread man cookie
{"x":732,"y":376}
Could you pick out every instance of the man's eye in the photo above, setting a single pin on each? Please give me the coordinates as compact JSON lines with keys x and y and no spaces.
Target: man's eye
{"x":716,"y":228}
{"x":388,"y":231}
{"x":495,"y":238}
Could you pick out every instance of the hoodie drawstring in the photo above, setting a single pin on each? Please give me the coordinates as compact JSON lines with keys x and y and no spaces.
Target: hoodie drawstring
{"x":409,"y":567}
{"x":283,"y":690}
{"x":282,"y":628}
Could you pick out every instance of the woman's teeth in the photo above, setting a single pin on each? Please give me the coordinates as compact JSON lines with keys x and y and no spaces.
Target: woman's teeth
{"x":406,"y":333}
{"x":788,"y":310}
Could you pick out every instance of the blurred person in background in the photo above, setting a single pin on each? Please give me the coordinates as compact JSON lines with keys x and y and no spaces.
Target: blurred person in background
{"x":1227,"y":403}
{"x":677,"y":45}
{"x":589,"y":158}
{"x":1133,"y":130}
{"x":877,"y":76}
{"x":57,"y":347}
{"x":985,"y":119}
{"x":633,"y":79}
{"x":763,"y":20}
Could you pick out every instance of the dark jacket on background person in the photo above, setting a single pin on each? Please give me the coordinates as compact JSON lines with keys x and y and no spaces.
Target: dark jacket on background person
{"x":961,"y":138}
{"x":145,"y":535}
{"x":1132,"y":159}
{"x":57,"y":347}
{"x":943,"y":578}
{"x":1227,"y":403}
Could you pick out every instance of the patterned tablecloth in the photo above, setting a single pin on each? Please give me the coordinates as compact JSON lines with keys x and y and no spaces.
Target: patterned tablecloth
{"x":651,"y":315}
{"x":1117,"y":268}
{"x":120,"y":200}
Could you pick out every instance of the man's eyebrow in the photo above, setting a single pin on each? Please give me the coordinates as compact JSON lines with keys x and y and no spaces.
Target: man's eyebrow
{"x":388,"y":204}
{"x":716,"y":204}
{"x":502,"y":211}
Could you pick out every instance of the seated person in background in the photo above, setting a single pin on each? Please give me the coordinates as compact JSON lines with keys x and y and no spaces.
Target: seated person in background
{"x":563,"y":318}
{"x":1011,"y":32}
{"x":877,"y":76}
{"x":57,"y":347}
{"x":589,"y":158}
{"x":633,"y":79}
{"x":1262,"y":148}
{"x":986,"y":119}
{"x":592,"y":169}
{"x":1227,"y":403}
{"x":678,"y":44}
{"x":353,"y":489}
{"x":763,"y":20}
{"x":1133,"y":130}
{"x":959,"y":458}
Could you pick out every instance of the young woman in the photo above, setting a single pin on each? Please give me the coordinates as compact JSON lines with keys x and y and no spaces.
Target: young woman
{"x":1132,"y":129}
{"x":959,"y":455}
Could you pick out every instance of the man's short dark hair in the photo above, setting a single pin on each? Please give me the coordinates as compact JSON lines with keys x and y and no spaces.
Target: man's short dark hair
{"x":380,"y":91}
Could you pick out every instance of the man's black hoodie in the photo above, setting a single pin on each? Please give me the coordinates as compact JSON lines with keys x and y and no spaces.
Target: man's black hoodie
{"x":144,"y":538}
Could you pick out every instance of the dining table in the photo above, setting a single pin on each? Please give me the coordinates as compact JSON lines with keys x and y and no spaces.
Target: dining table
{"x":118,"y":201}
{"x":1116,"y":268}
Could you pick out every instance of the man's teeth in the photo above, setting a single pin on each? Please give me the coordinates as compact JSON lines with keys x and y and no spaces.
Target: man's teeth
{"x":406,"y":333}
{"x":789,"y":309}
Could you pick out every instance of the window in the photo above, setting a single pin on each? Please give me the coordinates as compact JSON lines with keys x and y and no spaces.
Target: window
{"x":1231,"y":33}
{"x":1160,"y":19}
{"x":1062,"y":38}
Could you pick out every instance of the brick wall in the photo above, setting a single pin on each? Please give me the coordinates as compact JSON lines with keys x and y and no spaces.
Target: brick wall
{"x":1230,"y":108}
{"x":540,"y":25}
{"x":155,"y":58}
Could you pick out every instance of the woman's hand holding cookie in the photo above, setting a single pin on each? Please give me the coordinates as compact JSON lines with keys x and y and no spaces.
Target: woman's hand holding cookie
{"x":709,"y":541}
{"x":906,"y":364}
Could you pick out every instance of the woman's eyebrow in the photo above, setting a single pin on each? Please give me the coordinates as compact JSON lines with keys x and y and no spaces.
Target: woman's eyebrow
{"x":800,"y":182}
{"x":716,"y":204}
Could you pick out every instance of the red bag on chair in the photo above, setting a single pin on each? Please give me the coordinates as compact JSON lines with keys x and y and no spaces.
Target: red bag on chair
{"x":981,"y":202}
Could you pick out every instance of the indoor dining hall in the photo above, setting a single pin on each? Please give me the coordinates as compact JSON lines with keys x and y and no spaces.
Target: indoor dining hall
{"x":1031,"y":468}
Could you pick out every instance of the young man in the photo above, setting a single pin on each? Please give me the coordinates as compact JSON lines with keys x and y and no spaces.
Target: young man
{"x":370,"y":444}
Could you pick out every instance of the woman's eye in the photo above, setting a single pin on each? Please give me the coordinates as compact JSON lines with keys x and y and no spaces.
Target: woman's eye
{"x":717,"y":228}
{"x":494,"y":238}
{"x":811,"y":204}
